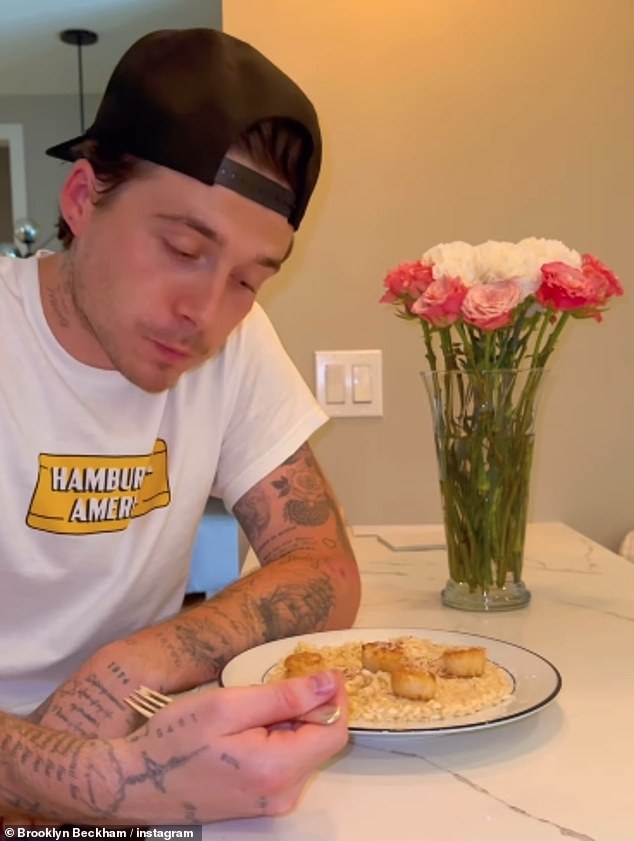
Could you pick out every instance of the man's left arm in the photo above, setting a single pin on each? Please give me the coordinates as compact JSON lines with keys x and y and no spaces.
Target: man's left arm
{"x":308,"y":581}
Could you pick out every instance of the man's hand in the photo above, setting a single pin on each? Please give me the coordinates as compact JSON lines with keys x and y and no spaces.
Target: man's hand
{"x":226,"y":753}
{"x":208,"y":756}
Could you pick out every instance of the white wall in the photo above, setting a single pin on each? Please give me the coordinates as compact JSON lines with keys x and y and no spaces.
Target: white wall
{"x":45,"y":120}
{"x":462,"y":119}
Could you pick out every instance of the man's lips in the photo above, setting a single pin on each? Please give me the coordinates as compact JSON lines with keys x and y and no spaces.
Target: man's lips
{"x":171,"y":352}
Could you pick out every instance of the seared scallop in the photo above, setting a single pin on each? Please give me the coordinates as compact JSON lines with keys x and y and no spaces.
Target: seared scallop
{"x":303,"y":663}
{"x":381,"y":656}
{"x":415,"y":684}
{"x":464,"y":662}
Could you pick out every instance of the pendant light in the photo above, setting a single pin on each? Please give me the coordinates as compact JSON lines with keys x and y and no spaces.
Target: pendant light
{"x":79,"y":38}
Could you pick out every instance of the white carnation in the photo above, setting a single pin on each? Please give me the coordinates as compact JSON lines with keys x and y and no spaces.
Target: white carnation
{"x":497,"y":261}
{"x":549,"y":251}
{"x":453,"y":259}
{"x":493,"y":261}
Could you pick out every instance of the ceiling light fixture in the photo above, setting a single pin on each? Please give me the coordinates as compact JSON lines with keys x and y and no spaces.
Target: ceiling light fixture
{"x":80,"y":38}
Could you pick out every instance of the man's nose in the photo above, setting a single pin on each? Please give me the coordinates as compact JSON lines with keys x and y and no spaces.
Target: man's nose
{"x":200,"y":303}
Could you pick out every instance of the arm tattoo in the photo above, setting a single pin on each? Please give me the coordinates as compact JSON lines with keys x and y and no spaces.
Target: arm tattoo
{"x":207,"y":636}
{"x":305,"y":502}
{"x":172,"y":651}
{"x":197,"y":644}
{"x":64,"y":759}
{"x":296,"y":609}
{"x":254,"y":512}
{"x":190,"y":814}
{"x":82,"y":704}
{"x":98,"y":788}
{"x":230,"y":760}
{"x":302,"y":483}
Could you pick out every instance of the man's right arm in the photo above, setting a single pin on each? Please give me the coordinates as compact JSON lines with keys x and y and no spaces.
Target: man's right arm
{"x":50,"y":775}
{"x":90,"y":702}
{"x":208,"y":756}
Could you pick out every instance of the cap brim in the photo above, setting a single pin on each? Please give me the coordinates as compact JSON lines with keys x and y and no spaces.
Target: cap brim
{"x":64,"y":151}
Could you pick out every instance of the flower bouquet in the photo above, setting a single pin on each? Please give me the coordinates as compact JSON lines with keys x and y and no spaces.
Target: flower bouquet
{"x":491,"y":315}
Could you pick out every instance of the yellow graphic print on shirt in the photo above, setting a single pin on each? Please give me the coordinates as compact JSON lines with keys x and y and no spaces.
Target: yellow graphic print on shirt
{"x":94,"y":494}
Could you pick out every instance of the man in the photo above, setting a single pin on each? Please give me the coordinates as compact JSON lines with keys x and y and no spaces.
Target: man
{"x":138,"y":374}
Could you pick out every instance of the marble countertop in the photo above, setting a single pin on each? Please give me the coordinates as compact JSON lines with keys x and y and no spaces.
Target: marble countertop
{"x":565,"y":772}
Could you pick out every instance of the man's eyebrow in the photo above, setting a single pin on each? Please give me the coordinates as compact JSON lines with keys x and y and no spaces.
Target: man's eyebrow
{"x":195,"y":224}
{"x":272,"y":262}
{"x":200,"y":227}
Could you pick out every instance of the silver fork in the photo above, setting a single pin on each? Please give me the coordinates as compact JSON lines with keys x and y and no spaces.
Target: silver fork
{"x":148,"y":701}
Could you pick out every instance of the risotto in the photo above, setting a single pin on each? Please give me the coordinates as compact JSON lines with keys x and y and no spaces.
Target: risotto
{"x":371,"y":692}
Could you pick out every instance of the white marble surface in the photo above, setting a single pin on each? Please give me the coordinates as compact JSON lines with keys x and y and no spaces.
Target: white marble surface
{"x":566,"y":772}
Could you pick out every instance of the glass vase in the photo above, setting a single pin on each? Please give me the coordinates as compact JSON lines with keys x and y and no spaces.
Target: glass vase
{"x":484,"y":433}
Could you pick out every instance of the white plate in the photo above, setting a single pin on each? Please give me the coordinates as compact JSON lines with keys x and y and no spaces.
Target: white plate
{"x":535,"y":681}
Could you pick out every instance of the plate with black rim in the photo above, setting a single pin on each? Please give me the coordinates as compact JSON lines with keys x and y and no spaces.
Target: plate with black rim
{"x":536,"y":681}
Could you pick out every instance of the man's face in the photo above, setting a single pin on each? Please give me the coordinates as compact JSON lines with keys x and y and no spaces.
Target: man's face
{"x":164,"y":269}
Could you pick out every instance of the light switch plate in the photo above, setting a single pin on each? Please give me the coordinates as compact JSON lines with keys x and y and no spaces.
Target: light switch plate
{"x":371,"y":403}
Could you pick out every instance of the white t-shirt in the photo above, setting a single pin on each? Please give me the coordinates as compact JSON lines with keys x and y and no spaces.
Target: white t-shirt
{"x":102,"y":485}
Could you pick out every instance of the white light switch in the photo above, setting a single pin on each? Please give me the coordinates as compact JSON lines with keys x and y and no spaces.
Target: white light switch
{"x":361,"y":384}
{"x":335,"y":383}
{"x":349,"y":383}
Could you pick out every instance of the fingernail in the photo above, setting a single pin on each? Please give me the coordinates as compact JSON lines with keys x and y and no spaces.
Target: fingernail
{"x":329,"y":716}
{"x":323,"y":683}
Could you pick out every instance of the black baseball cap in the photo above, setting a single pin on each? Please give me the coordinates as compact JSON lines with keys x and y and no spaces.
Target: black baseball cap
{"x":181,"y":97}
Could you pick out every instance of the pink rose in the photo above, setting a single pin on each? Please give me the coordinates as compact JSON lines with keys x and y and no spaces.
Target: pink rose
{"x":408,"y":280}
{"x":491,"y":305}
{"x":440,"y":302}
{"x":564,"y":288}
{"x":581,"y":291}
{"x":607,"y":283}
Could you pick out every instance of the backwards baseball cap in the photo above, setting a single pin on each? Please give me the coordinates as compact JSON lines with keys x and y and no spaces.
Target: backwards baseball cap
{"x":182,"y":97}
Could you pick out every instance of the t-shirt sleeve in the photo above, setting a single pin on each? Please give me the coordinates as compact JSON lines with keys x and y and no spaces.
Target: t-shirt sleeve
{"x":269,"y":413}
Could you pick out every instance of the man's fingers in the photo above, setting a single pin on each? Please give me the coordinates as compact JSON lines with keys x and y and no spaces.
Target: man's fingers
{"x":297,"y":751}
{"x":241,"y":708}
{"x":283,"y":700}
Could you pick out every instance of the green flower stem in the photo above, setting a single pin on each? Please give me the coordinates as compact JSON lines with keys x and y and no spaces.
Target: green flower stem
{"x":429,"y":348}
{"x":484,"y":444}
{"x":448,"y":349}
{"x":488,"y":343}
{"x":541,"y":356}
{"x":467,"y":345}
{"x":546,"y":317}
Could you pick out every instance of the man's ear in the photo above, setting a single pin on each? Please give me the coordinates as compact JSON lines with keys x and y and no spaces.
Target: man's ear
{"x":77,"y":195}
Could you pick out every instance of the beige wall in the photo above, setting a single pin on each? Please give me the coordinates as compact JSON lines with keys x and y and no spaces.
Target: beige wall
{"x":462,"y":119}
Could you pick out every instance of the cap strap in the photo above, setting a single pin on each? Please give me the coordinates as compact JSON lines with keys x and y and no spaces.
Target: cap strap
{"x":255,"y":186}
